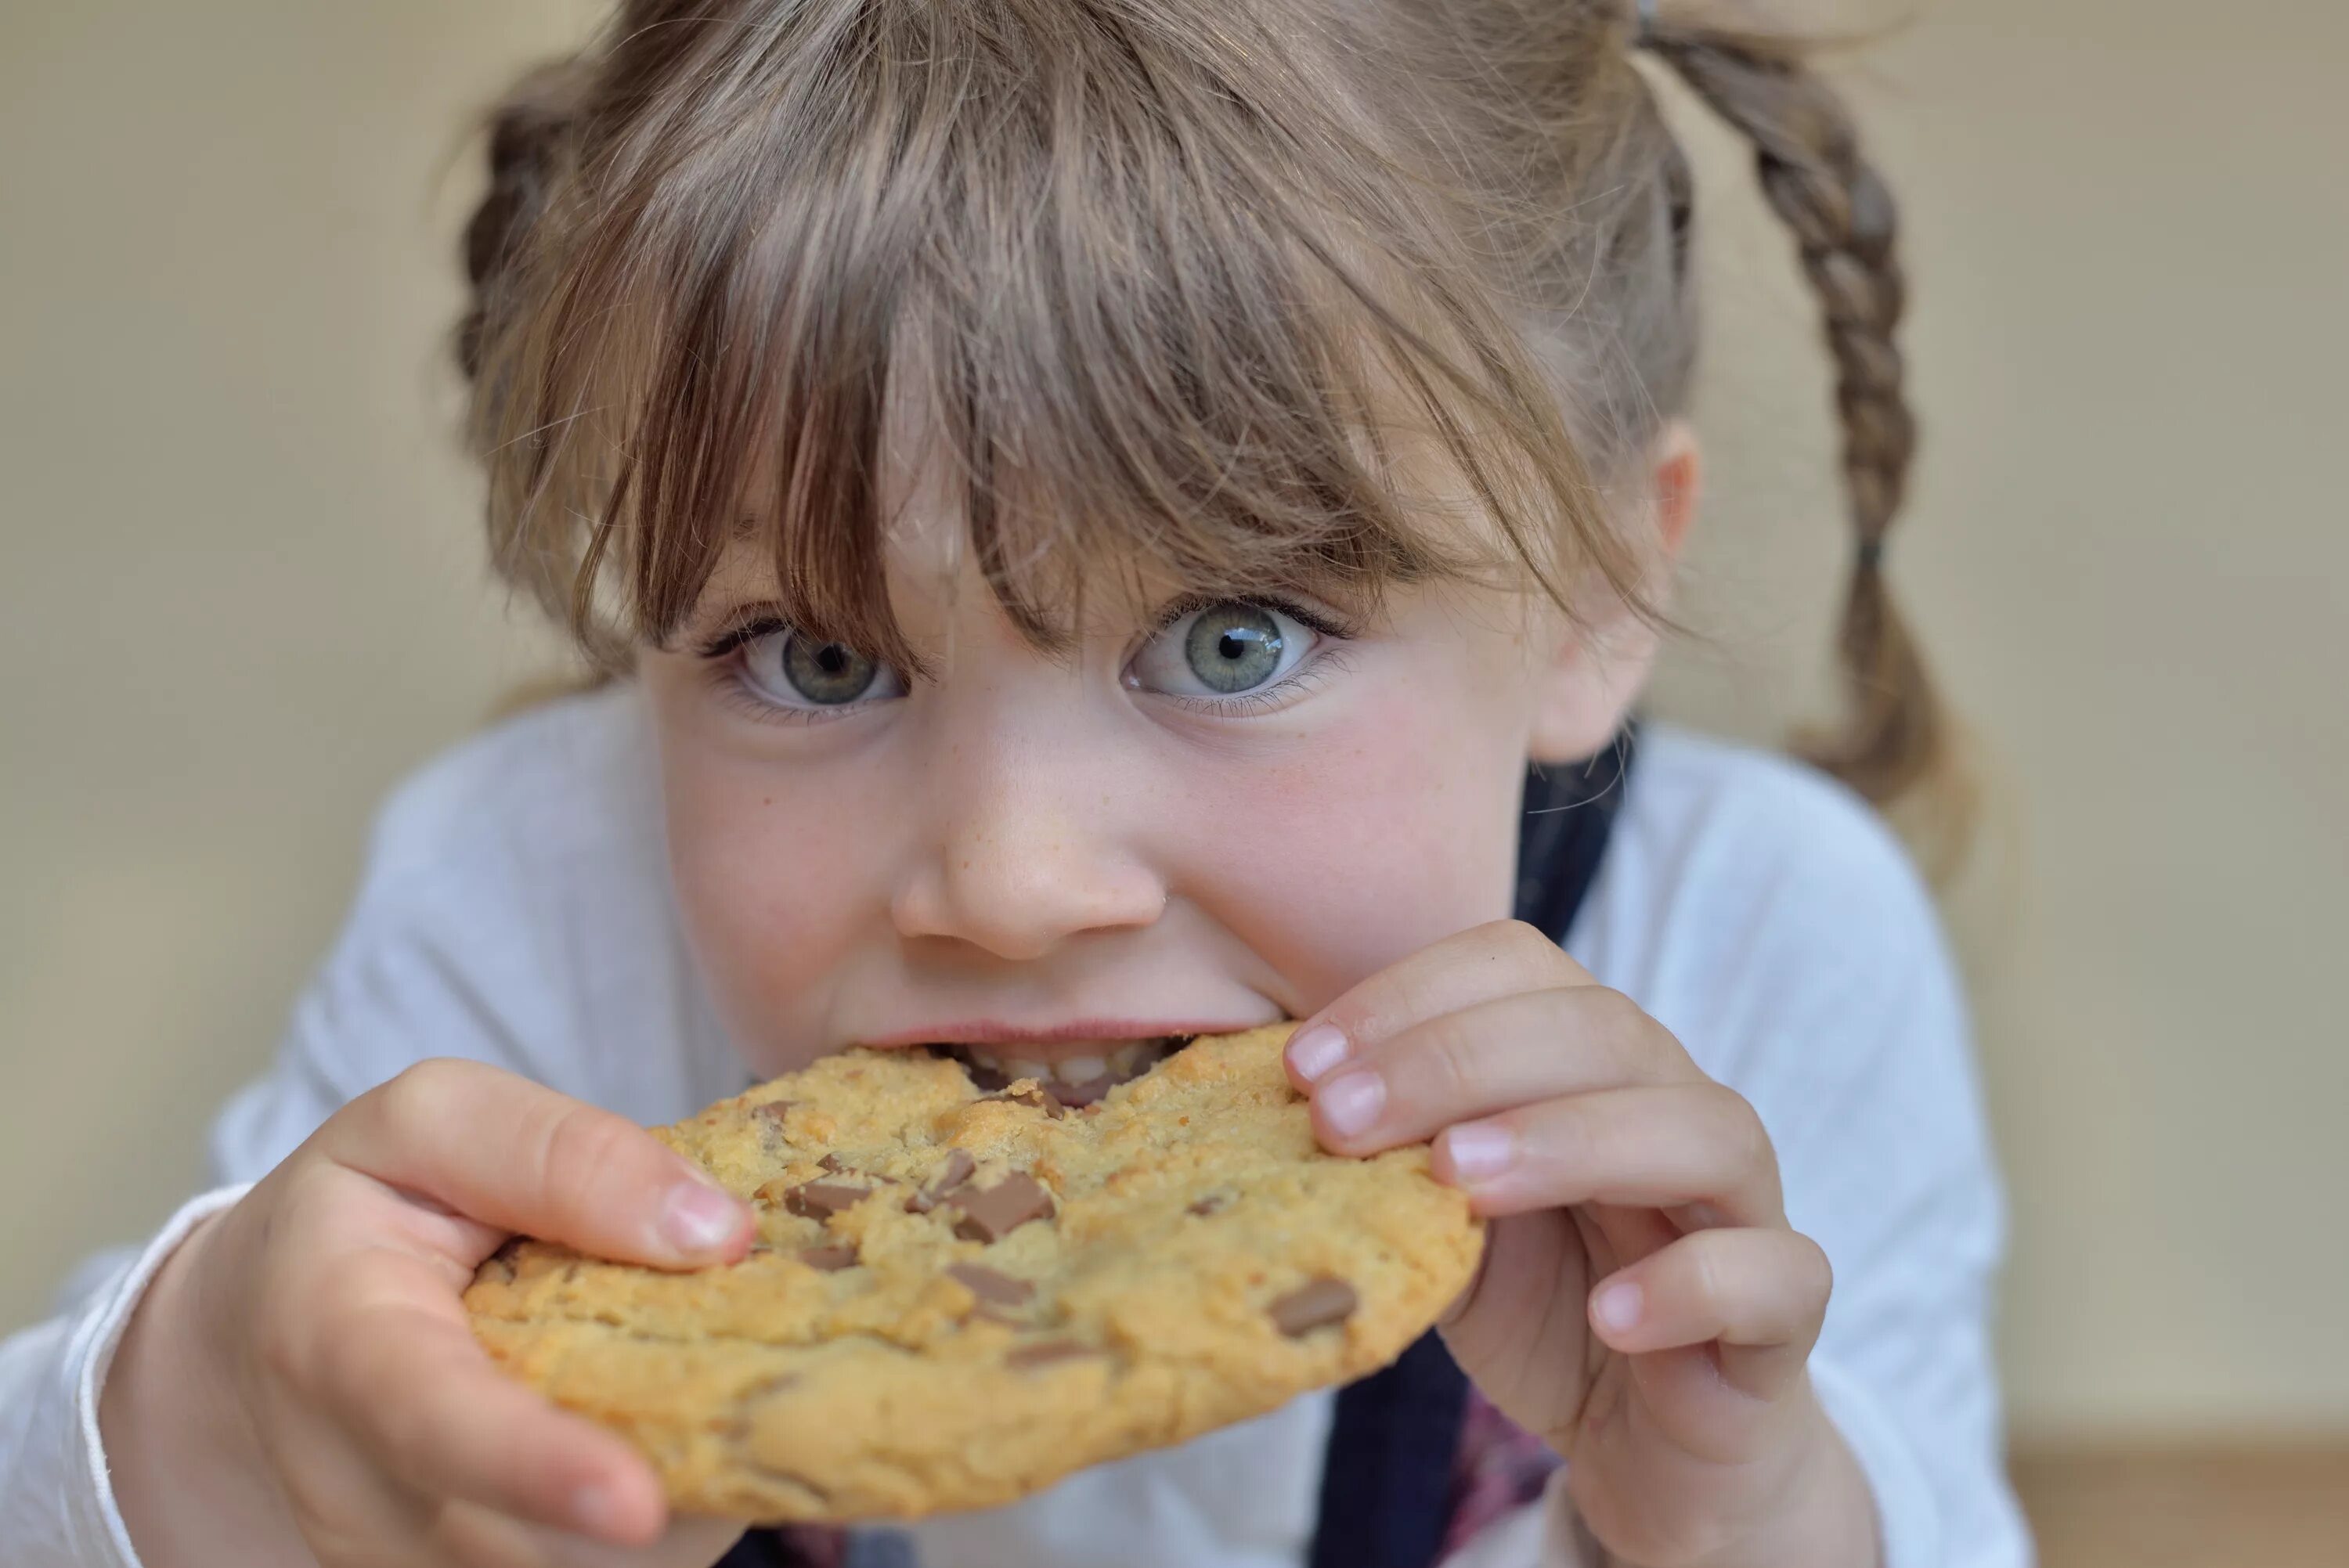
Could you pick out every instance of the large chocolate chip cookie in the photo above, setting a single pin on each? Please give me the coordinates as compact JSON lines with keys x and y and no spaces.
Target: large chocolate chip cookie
{"x":960,"y":1295}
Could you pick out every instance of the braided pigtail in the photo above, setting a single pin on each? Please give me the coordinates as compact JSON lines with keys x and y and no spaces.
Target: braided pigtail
{"x":1895,"y":733}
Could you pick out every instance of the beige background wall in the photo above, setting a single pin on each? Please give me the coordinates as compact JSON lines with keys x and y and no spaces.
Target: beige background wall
{"x":239,"y":593}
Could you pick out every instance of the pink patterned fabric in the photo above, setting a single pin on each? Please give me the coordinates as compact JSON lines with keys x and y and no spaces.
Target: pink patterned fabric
{"x":813,"y":1545}
{"x":1501,"y":1467}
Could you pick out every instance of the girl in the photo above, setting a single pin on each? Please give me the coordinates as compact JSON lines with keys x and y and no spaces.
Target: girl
{"x":1089,"y":507}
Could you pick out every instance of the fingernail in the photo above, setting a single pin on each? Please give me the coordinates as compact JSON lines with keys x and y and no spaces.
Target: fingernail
{"x":1350,"y":1101}
{"x":1316,"y":1051}
{"x":1617,"y":1306}
{"x":594,"y":1512}
{"x":1480,"y":1150}
{"x":697,"y":1218}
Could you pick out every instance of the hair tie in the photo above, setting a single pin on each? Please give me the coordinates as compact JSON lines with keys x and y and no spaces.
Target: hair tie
{"x":1869,"y":556}
{"x":1646,"y":11}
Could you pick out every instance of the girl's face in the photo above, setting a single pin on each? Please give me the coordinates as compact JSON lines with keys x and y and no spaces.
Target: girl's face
{"x":1203,"y":819}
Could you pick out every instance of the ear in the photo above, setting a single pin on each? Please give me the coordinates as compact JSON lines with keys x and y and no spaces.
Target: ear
{"x":1597,"y":667}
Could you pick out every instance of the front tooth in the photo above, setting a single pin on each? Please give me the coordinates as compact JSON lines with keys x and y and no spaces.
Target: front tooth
{"x":1126,"y":1059}
{"x":987,"y":1059}
{"x":1081,"y":1069}
{"x":1019,"y":1070}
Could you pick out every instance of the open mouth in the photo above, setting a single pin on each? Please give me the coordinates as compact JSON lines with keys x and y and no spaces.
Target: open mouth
{"x":1074,"y":1078}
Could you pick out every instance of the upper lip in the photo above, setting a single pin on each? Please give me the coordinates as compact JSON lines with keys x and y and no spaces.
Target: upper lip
{"x":990,"y":1032}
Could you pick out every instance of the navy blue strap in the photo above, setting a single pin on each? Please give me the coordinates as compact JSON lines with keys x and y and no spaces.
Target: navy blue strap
{"x":1386,"y":1483}
{"x":762,"y":1549}
{"x":1387,"y":1493}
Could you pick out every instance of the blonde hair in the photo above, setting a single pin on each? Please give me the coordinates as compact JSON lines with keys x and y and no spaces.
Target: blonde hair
{"x":1179,"y":283}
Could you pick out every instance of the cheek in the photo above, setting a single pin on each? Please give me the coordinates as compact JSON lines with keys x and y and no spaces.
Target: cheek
{"x":1398,"y":827}
{"x":771,"y":872}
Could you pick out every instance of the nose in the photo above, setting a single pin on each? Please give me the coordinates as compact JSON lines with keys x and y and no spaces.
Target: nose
{"x":1027,"y":853}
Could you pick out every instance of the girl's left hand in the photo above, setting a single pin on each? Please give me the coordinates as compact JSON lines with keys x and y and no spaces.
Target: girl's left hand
{"x":1643,"y":1304}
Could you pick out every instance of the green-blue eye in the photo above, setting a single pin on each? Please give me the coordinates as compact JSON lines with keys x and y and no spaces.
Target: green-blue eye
{"x":1225,"y":649}
{"x":790,"y":670}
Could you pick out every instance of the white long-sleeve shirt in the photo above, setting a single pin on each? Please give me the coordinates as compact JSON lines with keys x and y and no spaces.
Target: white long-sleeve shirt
{"x":516,"y":910}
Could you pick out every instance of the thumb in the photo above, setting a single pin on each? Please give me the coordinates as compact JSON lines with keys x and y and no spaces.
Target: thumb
{"x":516,"y":1155}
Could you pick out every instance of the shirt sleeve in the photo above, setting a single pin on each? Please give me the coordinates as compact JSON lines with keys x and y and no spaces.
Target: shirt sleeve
{"x":1787,"y":942}
{"x":56,"y":1504}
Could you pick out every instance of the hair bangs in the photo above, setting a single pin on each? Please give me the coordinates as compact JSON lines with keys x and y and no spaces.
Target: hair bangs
{"x":1113,"y":285}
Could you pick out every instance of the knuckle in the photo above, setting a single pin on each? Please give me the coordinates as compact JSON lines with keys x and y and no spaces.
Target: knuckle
{"x":1449,"y":1058}
{"x":1817,"y":1268}
{"x":1613,"y":1015}
{"x":306,"y":1200}
{"x":1389,"y":1005}
{"x":1747,"y":1139}
{"x":1616,"y":1022}
{"x":578,"y":1146}
{"x":1703,"y":1271}
{"x":1526,"y":942}
{"x":420,"y":1095}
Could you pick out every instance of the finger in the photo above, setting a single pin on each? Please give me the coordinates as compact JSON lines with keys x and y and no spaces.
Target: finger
{"x":1654,"y":1146}
{"x":1759,"y":1294}
{"x":347,"y":1513}
{"x":1462,"y":970}
{"x":687,"y":1543}
{"x":1523,"y":1046}
{"x":504,"y":1150}
{"x":402,"y":1373}
{"x":477,"y":1537}
{"x":473,"y":1535}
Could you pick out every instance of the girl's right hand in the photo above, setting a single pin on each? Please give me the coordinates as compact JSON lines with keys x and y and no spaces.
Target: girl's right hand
{"x":299,"y":1385}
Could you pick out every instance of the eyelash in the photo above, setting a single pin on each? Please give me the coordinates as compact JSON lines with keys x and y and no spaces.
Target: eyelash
{"x":722,"y":653}
{"x":1326,"y":660}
